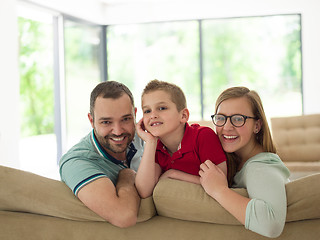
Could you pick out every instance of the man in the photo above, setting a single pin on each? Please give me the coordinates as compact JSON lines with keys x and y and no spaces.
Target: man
{"x":100,"y":169}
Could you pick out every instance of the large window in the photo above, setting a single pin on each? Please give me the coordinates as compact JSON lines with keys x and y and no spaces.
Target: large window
{"x":168,"y":51}
{"x":38,"y":146}
{"x":203,"y":57}
{"x":82,"y":74}
{"x":262,"y":53}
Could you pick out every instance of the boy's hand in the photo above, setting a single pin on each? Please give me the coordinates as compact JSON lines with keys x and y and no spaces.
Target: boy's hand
{"x":143,"y":133}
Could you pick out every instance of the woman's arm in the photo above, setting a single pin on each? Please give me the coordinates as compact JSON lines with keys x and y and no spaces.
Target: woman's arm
{"x":149,"y":171}
{"x":215,"y":183}
{"x":264,"y":212}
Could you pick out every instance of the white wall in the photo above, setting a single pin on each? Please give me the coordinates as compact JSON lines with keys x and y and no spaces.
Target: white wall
{"x":9,"y":85}
{"x":90,"y":10}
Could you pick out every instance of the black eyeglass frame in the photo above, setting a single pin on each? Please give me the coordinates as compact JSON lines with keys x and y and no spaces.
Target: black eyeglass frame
{"x":226,"y":119}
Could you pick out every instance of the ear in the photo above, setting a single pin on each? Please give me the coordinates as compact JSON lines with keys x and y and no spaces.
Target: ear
{"x":91,"y":120}
{"x":184,"y":115}
{"x":258,"y":126}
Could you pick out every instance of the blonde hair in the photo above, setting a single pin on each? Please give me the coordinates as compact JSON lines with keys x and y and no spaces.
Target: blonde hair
{"x":263,"y":136}
{"x":176,"y":94}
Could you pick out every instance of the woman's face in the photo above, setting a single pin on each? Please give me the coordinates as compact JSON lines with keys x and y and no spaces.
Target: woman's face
{"x":240,"y":140}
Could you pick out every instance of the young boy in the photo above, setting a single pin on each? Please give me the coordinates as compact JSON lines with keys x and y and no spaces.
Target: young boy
{"x":173,"y":149}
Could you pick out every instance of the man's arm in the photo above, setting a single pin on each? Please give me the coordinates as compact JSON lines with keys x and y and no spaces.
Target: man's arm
{"x":118,"y":205}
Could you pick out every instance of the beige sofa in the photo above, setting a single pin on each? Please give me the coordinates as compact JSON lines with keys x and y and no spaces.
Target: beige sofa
{"x":298,"y":142}
{"x":34,"y":207}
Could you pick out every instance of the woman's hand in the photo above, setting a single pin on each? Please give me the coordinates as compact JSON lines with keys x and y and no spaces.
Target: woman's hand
{"x":212,"y":179}
{"x":143,"y":133}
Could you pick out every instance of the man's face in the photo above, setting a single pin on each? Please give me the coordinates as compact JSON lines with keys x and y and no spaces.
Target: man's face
{"x":114,"y":124}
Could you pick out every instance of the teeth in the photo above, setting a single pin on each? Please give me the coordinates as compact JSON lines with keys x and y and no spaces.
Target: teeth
{"x":155,"y":124}
{"x":229,"y":137}
{"x":117,"y":139}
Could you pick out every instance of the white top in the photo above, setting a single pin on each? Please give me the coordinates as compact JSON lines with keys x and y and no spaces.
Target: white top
{"x":264,"y":176}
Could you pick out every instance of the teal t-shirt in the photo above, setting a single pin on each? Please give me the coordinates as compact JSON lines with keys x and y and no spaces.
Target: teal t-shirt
{"x":264,"y":176}
{"x":87,"y":161}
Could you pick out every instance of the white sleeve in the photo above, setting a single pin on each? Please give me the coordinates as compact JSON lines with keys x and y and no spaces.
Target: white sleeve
{"x":267,"y":209}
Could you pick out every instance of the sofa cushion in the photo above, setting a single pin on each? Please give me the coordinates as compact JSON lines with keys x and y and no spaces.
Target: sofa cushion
{"x":297,"y":138}
{"x":22,"y":191}
{"x":187,"y":201}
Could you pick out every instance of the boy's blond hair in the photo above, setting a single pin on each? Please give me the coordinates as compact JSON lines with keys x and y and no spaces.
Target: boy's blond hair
{"x":176,"y":94}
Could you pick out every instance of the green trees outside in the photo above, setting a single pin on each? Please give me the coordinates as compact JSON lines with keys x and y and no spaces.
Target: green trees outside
{"x":166,"y":51}
{"x":36,"y":78}
{"x":82,"y":74}
{"x":262,"y":53}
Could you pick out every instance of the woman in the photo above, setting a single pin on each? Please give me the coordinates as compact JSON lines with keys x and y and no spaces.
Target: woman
{"x":243,"y":131}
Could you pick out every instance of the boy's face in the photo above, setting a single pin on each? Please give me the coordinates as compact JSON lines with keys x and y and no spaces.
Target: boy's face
{"x":160,"y":115}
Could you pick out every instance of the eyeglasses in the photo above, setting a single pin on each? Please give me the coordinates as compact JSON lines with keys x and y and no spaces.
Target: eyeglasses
{"x":237,"y":120}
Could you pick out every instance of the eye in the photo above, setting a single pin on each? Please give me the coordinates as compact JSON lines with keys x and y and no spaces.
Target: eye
{"x":219,"y":118}
{"x":146,"y":111}
{"x":106,"y":122}
{"x":237,"y":118}
{"x":162,"y":108}
{"x":126,"y":119}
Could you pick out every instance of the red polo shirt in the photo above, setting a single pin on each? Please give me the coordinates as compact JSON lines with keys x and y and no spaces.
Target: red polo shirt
{"x":198,"y":144}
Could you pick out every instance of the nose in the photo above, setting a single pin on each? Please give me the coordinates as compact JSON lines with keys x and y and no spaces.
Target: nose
{"x":153,"y":115}
{"x":228,"y":124}
{"x":117,"y":128}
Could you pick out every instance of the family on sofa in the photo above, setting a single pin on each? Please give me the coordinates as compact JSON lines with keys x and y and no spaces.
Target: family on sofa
{"x":104,"y":171}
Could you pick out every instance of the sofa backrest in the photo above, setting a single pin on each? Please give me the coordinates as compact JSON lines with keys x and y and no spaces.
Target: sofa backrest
{"x":297,"y":138}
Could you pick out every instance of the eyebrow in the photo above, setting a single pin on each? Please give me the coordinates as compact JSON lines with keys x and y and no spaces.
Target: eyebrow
{"x":110,"y":118}
{"x":158,"y":103}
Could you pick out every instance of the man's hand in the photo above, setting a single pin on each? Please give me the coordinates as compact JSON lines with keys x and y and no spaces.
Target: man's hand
{"x":118,"y":205}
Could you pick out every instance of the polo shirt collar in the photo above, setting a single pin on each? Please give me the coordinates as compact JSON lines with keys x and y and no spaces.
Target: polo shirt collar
{"x":131,"y":151}
{"x":186,"y":144}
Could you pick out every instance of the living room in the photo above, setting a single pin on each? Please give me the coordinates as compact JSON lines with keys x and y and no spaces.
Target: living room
{"x":117,"y":13}
{"x":49,"y":204}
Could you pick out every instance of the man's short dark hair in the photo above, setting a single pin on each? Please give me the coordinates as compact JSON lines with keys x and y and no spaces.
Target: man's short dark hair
{"x":109,"y":89}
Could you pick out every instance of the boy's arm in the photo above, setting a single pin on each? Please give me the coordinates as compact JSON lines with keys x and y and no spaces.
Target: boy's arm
{"x":179,"y":175}
{"x":149,"y":171}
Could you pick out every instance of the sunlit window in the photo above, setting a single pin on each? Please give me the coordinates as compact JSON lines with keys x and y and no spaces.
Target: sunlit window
{"x":38,"y":147}
{"x":82,"y":71}
{"x":167,"y":51}
{"x":262,"y":53}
